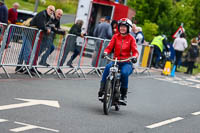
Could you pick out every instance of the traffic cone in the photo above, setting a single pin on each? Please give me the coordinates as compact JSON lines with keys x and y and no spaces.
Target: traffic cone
{"x":173,"y":71}
{"x":167,"y":68}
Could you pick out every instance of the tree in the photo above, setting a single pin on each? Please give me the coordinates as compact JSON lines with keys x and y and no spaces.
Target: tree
{"x":168,"y":15}
{"x":149,"y":30}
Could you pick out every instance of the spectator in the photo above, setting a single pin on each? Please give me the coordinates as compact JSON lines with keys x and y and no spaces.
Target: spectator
{"x":3,"y":12}
{"x":12,"y":13}
{"x":76,"y":30}
{"x":133,"y":30}
{"x":180,"y":44}
{"x":104,"y":31}
{"x":139,"y":36}
{"x":114,"y":25}
{"x":198,"y":39}
{"x":55,"y":28}
{"x":41,"y":21}
{"x":192,"y":55}
{"x":159,"y":43}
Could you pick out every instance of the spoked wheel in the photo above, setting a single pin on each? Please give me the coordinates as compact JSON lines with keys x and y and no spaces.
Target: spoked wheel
{"x":108,"y":96}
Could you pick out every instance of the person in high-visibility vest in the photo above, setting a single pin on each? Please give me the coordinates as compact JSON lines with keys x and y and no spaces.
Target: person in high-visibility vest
{"x":159,"y":43}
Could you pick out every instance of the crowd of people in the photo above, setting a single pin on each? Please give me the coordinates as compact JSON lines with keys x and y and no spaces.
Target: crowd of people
{"x":49,"y":21}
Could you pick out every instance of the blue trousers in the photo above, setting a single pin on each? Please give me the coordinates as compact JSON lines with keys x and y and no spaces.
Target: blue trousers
{"x":126,"y":70}
{"x":47,"y":44}
{"x":25,"y":50}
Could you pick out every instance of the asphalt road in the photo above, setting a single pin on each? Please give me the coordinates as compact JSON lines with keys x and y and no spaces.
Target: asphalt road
{"x":155,"y":105}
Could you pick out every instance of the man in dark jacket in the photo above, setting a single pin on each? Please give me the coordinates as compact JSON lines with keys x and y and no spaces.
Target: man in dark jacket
{"x":55,"y":28}
{"x":3,"y":12}
{"x":75,"y":30}
{"x":40,"y":21}
{"x":104,"y":31}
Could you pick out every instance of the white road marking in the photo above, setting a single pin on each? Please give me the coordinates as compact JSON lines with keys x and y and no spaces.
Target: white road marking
{"x":30,"y":102}
{"x":194,"y":80}
{"x":29,"y":127}
{"x":196,"y":113}
{"x":165,"y":122}
{"x":195,"y":86}
{"x":3,"y":120}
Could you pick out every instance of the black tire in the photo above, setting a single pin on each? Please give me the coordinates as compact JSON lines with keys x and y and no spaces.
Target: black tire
{"x":108,"y":97}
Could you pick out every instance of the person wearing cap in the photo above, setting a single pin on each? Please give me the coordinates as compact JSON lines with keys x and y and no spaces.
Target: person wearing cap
{"x":3,"y":12}
{"x":103,"y":31}
{"x":13,"y":14}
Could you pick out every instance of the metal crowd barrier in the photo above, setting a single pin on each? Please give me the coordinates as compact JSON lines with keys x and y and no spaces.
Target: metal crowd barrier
{"x":16,"y":47}
{"x":3,"y":27}
{"x":87,"y":50}
{"x":25,"y":47}
{"x":46,"y":53}
{"x":145,"y":58}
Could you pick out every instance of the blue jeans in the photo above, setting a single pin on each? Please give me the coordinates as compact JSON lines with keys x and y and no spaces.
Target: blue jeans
{"x":47,"y":44}
{"x":126,"y":70}
{"x":25,"y":50}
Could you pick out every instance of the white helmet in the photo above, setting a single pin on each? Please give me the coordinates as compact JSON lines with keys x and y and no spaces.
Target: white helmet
{"x":127,"y":22}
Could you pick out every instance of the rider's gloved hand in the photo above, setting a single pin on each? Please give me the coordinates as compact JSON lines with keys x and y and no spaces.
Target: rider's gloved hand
{"x":134,"y":60}
{"x":104,"y":55}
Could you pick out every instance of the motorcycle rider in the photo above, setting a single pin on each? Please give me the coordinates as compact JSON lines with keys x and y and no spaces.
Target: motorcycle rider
{"x":124,"y":46}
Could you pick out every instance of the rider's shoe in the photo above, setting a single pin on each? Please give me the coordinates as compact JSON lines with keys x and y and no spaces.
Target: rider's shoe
{"x":123,"y":100}
{"x":101,"y":95}
{"x":101,"y":91}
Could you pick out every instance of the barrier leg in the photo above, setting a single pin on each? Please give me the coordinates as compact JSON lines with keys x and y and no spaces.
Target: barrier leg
{"x":36,"y":72}
{"x":27,"y":70}
{"x":82,"y":73}
{"x":55,"y":69}
{"x":49,"y":70}
{"x":5,"y":72}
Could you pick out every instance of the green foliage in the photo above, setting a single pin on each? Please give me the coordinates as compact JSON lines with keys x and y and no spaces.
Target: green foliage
{"x":168,"y":15}
{"x":150,"y":30}
{"x":66,"y":5}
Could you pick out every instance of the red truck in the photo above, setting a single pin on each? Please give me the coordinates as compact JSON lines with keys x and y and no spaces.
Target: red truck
{"x":90,"y":11}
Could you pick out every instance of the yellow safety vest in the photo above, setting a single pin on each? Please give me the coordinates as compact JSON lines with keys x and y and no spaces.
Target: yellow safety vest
{"x":158,"y":41}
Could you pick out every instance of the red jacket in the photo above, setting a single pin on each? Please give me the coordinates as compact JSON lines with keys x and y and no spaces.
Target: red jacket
{"x":12,"y":15}
{"x":124,"y":46}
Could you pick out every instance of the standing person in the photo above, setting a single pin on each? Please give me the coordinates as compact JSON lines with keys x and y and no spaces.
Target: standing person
{"x":114,"y":25}
{"x":180,"y":44}
{"x":198,"y":39}
{"x":159,"y":43}
{"x":139,"y":36}
{"x":13,"y":14}
{"x":104,"y":31}
{"x":55,"y":29}
{"x":41,"y":21}
{"x":75,"y":30}
{"x":3,"y":12}
{"x":192,"y":55}
{"x":124,"y":46}
{"x":133,"y":30}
